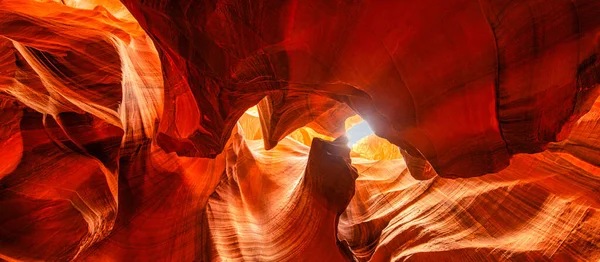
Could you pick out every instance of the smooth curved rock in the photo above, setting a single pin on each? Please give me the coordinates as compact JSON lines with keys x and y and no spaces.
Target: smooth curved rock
{"x":477,"y":70}
{"x":187,"y":130}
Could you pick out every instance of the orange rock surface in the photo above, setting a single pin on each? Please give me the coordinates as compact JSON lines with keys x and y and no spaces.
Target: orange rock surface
{"x":183,"y":130}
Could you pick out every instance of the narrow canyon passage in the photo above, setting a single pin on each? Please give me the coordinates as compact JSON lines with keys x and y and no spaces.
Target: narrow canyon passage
{"x":315,"y":130}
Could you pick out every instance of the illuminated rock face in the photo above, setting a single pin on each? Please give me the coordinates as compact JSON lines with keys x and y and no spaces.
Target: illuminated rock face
{"x":214,"y":130}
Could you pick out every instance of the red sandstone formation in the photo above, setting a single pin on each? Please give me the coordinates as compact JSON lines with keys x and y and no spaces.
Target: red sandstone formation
{"x":183,"y":130}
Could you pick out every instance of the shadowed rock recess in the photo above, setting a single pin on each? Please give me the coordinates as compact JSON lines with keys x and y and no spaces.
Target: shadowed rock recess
{"x":188,"y":130}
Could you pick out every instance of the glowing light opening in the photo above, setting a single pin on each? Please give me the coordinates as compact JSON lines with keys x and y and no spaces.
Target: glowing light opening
{"x":358,"y":132}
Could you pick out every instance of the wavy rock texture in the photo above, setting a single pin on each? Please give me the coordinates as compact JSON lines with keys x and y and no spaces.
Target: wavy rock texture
{"x":181,"y":130}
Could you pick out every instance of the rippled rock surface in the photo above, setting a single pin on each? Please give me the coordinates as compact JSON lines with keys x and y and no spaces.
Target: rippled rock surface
{"x":183,"y":130}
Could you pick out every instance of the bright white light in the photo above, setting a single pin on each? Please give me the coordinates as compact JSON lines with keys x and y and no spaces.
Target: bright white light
{"x":358,"y":132}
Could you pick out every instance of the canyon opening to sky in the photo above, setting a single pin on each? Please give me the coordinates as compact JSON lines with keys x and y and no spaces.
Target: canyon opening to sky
{"x":288,"y":130}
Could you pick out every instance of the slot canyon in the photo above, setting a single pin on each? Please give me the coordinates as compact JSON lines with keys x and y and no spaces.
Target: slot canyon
{"x":299,"y":130}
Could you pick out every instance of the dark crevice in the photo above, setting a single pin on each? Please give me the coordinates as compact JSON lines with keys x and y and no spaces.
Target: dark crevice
{"x":497,"y":78}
